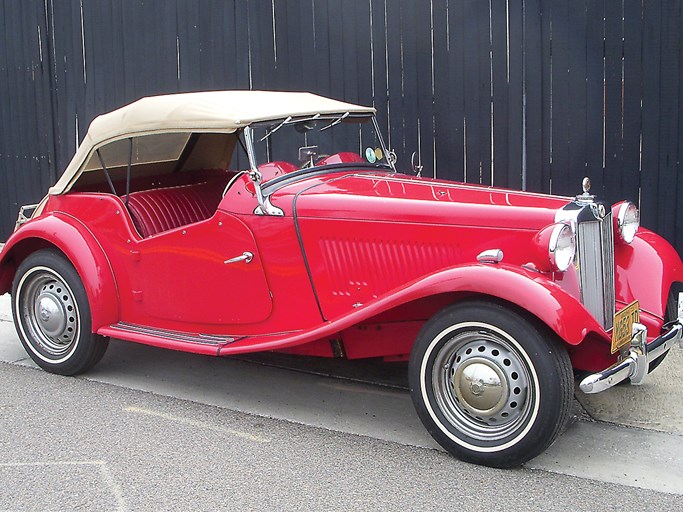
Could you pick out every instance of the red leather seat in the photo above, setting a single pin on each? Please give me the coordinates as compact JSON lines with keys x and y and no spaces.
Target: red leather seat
{"x":161,"y":209}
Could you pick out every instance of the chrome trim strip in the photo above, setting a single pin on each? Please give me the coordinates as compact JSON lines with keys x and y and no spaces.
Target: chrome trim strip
{"x":203,"y":339}
{"x":609,"y":304}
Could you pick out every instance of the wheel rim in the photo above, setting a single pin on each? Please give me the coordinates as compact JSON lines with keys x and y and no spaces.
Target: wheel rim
{"x":49,"y":314}
{"x":482,"y":385}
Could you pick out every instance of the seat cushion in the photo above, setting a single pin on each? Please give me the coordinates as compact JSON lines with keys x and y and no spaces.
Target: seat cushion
{"x":161,"y":209}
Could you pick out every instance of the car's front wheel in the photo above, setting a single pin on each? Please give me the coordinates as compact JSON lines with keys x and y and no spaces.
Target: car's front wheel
{"x":52,"y":315}
{"x":489,"y":385}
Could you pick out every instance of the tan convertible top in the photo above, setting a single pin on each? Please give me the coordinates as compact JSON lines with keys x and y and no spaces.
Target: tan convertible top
{"x":212,"y":111}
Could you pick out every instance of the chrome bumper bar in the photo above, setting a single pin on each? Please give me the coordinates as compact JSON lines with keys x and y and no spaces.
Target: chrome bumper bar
{"x":634,"y":362}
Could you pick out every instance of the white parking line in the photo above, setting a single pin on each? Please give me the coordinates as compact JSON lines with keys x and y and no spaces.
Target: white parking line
{"x":100,"y":464}
{"x":55,"y":463}
{"x":199,"y":424}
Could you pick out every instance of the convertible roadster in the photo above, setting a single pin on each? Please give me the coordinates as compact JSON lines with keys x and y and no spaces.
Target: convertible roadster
{"x":229,"y":222}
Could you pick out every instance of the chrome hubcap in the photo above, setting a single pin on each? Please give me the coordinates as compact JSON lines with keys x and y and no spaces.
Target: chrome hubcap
{"x":49,"y":313}
{"x":481,"y":384}
{"x":480,"y":387}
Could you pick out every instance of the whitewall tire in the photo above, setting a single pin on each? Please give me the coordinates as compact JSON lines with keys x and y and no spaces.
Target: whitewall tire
{"x":491,"y":386}
{"x":52,"y":315}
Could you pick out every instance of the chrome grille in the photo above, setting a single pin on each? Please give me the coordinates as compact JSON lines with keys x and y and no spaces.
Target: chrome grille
{"x":596,"y":268}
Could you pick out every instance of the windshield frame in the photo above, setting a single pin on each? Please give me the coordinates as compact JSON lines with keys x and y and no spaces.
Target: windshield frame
{"x":334,"y":119}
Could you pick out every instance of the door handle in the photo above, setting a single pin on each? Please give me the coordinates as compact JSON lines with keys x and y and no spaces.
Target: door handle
{"x":246,"y":257}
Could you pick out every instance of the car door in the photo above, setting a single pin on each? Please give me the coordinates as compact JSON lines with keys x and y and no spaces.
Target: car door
{"x":209,"y":272}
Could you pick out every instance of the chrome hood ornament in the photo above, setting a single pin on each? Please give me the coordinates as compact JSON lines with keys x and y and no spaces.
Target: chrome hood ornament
{"x":586,"y":197}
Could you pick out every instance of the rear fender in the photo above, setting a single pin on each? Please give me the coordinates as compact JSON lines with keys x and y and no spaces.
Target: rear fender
{"x":80,"y":247}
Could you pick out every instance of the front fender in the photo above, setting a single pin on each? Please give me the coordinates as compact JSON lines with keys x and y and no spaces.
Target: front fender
{"x":528,"y":290}
{"x":80,"y":247}
{"x":524,"y":288}
{"x":645,"y":270}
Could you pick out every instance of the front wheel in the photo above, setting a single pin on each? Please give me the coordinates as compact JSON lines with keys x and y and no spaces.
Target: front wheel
{"x":52,"y":315}
{"x":491,"y":387}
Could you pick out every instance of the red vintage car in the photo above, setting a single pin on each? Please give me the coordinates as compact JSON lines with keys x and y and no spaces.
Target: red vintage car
{"x":229,"y":222}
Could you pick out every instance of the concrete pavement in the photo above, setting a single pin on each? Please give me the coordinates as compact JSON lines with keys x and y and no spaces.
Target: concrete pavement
{"x":643,"y":458}
{"x":73,"y":444}
{"x":657,"y":404}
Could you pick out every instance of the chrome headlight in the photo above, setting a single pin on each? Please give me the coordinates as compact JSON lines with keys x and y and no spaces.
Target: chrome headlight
{"x":627,"y":218}
{"x":555,"y":247}
{"x":561,"y":247}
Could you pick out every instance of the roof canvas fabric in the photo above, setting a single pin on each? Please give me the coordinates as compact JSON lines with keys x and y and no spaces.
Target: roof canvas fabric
{"x":210,"y":111}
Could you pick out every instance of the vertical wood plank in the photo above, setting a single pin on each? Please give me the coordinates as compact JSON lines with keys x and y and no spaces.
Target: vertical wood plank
{"x":512,"y":169}
{"x":444,"y":119}
{"x":474,"y":53}
{"x":669,"y":76}
{"x":536,"y":131}
{"x":652,"y":25}
{"x":560,"y":99}
{"x":595,"y":109}
{"x":547,"y":105}
{"x":577,"y":126}
{"x":501,"y":93}
{"x":633,"y":75}
{"x":613,"y":100}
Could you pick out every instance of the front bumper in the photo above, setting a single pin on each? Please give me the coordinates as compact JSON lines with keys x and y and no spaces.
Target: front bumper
{"x":634,"y":362}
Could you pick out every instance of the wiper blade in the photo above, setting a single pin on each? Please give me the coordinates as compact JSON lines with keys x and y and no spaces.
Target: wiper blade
{"x":335,"y":122}
{"x":271,"y":132}
{"x":305,"y":119}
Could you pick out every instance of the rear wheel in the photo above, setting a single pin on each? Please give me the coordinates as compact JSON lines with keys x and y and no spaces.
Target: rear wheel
{"x":490,"y":386}
{"x":52,"y":315}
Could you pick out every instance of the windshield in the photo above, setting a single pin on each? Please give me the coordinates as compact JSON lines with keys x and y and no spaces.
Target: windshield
{"x":317,"y":141}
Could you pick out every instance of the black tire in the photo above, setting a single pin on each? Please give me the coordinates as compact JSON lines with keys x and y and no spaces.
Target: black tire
{"x":654,"y":364}
{"x":52,"y":315}
{"x":490,"y":386}
{"x":670,"y":315}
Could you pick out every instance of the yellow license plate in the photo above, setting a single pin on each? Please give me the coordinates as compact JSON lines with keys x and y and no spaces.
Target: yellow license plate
{"x":623,"y":325}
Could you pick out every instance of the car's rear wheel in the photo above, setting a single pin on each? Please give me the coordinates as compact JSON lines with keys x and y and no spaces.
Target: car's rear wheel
{"x":52,"y":315}
{"x":490,"y":386}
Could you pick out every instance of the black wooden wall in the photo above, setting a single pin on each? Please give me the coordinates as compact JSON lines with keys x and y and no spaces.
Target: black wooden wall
{"x":530,"y":94}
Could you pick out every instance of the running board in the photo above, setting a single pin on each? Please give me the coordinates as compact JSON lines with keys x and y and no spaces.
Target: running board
{"x":209,"y":344}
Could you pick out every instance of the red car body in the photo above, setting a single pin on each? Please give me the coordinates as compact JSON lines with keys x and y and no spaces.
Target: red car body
{"x":355,"y":265}
{"x":385,"y":253}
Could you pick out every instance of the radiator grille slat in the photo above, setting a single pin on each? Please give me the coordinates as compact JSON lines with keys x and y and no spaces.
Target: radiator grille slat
{"x":596,"y":268}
